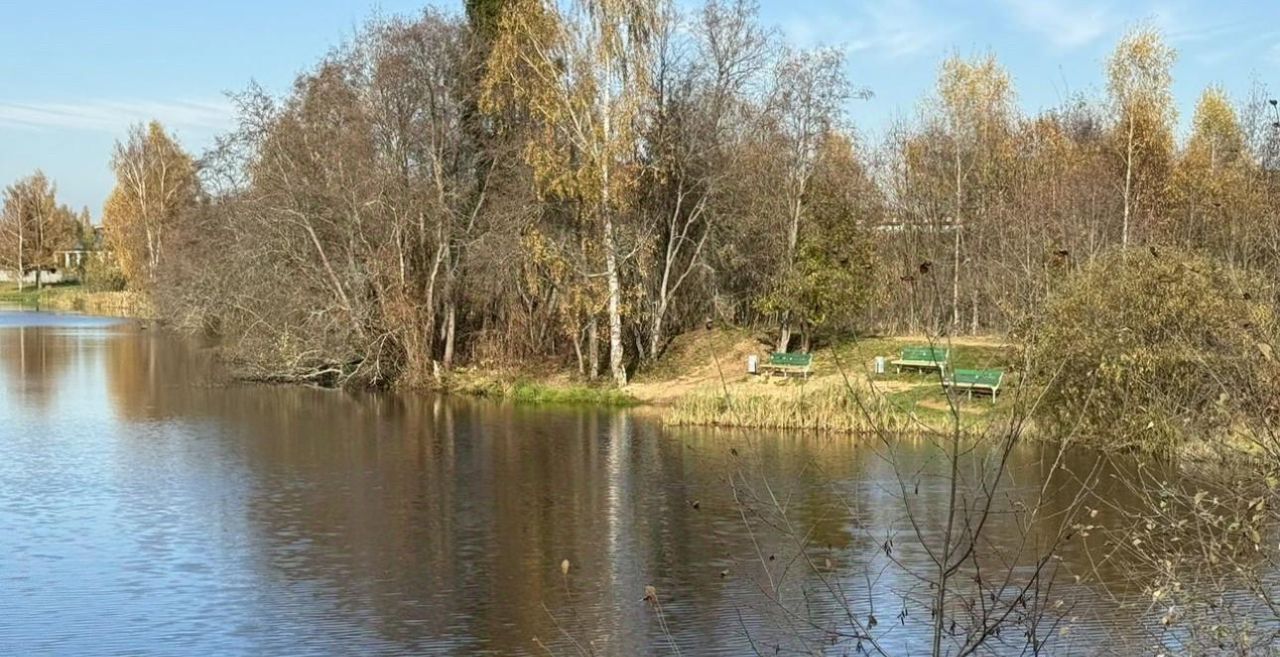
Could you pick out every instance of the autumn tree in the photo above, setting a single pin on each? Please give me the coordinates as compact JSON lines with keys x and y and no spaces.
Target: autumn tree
{"x":156,"y":185}
{"x":834,"y":276}
{"x":580,"y":73}
{"x":695,"y":142}
{"x":485,"y":16}
{"x":364,"y":190}
{"x":1214,"y":197}
{"x":1138,"y":80}
{"x":977,"y":110}
{"x":952,"y":180}
{"x":806,"y":105}
{"x":420,"y":94}
{"x":33,"y":227}
{"x":309,"y":215}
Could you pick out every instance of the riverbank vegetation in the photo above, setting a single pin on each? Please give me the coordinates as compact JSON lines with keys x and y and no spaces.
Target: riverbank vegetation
{"x":571,"y":188}
{"x":76,"y":297}
{"x":541,"y":392}
{"x":619,"y":201}
{"x":34,"y":228}
{"x":1155,"y":349}
{"x":416,"y":203}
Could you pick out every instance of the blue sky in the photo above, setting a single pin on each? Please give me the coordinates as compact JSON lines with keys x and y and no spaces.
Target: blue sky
{"x":74,"y":74}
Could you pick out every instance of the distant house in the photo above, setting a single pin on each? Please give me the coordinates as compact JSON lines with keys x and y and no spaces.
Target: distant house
{"x":74,"y":259}
{"x":48,"y":276}
{"x":70,"y":262}
{"x":92,"y":245}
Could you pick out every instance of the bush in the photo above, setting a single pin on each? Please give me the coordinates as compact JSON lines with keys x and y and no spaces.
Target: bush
{"x":1149,"y":348}
{"x":102,"y":273}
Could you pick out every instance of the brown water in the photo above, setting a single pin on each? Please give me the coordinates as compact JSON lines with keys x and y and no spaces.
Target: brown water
{"x":148,"y":507}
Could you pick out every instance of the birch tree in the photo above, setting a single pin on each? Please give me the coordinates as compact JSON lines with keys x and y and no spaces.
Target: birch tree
{"x":695,"y":142}
{"x":1214,"y":195}
{"x":1138,"y":80}
{"x":809,"y":91}
{"x":977,"y":101}
{"x":33,"y":227}
{"x":580,"y":73}
{"x":155,"y":185}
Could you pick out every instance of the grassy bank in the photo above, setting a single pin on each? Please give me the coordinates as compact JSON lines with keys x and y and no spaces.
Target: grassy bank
{"x":843,"y":394}
{"x":73,"y":297}
{"x":528,"y":387}
{"x":701,"y":380}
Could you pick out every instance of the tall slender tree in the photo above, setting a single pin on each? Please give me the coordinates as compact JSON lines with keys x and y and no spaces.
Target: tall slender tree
{"x":694,"y":145}
{"x":156,"y":185}
{"x":977,"y":105}
{"x":581,"y":74}
{"x":1139,"y":78}
{"x":1214,"y":196}
{"x":809,"y":91}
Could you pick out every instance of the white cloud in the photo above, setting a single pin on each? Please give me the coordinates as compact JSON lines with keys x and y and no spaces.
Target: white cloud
{"x":890,"y":28}
{"x":115,"y":115}
{"x":1064,"y":24}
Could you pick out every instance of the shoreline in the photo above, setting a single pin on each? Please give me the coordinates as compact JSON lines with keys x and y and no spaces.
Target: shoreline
{"x":74,"y":297}
{"x":702,"y":381}
{"x":689,"y":385}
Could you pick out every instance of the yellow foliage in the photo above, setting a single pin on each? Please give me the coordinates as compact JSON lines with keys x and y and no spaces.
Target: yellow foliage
{"x":155,"y":186}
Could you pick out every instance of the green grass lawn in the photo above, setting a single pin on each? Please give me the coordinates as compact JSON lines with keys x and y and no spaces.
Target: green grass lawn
{"x":29,"y":296}
{"x":524,"y":390}
{"x":855,"y":356}
{"x":926,"y":398}
{"x":536,"y":393}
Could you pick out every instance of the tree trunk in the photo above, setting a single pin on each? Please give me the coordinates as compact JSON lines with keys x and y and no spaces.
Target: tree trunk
{"x":1128,"y":188}
{"x":973,"y":326}
{"x":40,"y":219}
{"x":793,"y":239}
{"x":151,"y":253}
{"x":593,"y":348}
{"x":22,"y":270}
{"x":655,"y":330}
{"x":660,"y":309}
{"x":615,"y":304}
{"x":450,"y":329}
{"x":616,"y":367}
{"x":955,"y":229}
{"x":333,"y":278}
{"x":577,"y":351}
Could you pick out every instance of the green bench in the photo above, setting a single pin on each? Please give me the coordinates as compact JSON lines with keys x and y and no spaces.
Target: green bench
{"x":980,"y":380}
{"x":788,"y":364}
{"x":923,"y":358}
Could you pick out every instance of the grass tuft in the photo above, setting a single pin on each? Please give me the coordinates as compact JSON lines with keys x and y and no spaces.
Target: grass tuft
{"x":537,"y":393}
{"x":524,"y":391}
{"x":824,"y":409}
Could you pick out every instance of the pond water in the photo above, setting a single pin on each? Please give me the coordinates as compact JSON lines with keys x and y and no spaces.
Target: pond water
{"x":149,"y":506}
